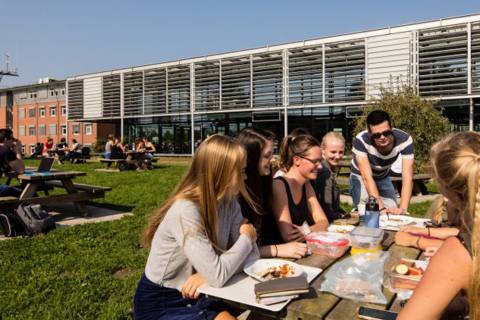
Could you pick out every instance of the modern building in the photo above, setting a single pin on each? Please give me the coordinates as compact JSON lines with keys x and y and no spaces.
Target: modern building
{"x":35,"y":112}
{"x":319,"y":84}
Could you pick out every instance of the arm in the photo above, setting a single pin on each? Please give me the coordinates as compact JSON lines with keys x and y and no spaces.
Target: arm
{"x":366,"y":172}
{"x":409,"y":240}
{"x":315,"y":210}
{"x":216,"y":268}
{"x":295,"y":250}
{"x":237,"y":221}
{"x":407,"y":183}
{"x":447,"y":273}
{"x":282,"y":214}
{"x":440,"y":233}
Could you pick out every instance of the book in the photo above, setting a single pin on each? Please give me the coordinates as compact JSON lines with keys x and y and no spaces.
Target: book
{"x":273,"y":300}
{"x":281,"y":287}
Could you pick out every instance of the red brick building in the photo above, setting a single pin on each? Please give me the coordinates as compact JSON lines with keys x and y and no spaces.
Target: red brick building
{"x":35,"y":112}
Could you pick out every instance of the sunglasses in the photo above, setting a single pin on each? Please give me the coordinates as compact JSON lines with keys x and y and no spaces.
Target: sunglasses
{"x":386,"y":134}
{"x":315,"y":162}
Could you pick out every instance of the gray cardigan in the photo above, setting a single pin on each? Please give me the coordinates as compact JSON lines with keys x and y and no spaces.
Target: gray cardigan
{"x":180,"y":247}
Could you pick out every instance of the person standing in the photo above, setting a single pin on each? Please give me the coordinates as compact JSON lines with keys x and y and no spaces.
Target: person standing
{"x":374,"y":152}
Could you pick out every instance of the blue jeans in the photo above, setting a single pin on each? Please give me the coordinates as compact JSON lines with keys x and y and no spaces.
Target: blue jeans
{"x":360,"y":195}
{"x":7,"y":191}
{"x":153,"y":301}
{"x":107,"y":155}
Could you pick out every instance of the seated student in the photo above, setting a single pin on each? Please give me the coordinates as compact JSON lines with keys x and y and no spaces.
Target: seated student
{"x":108,"y":147}
{"x":328,"y":193}
{"x":48,"y":148}
{"x":10,"y":160}
{"x":453,"y":273}
{"x":61,"y":149}
{"x":75,"y":151}
{"x":294,"y":201}
{"x":197,"y":237}
{"x":259,"y":146}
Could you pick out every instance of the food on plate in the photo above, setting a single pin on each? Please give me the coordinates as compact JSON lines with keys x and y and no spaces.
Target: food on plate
{"x":275,"y":272}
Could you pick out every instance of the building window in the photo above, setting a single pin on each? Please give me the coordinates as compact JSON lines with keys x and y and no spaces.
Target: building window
{"x":32,"y":149}
{"x":52,"y":129}
{"x":21,"y":131}
{"x":31,"y":130}
{"x":64,"y":130}
{"x":23,"y":149}
{"x":76,"y":129}
{"x":31,"y":113}
{"x":88,"y":129}
{"x":21,"y":113}
{"x":63,"y":92}
{"x":53,"y":111}
{"x":41,"y":111}
{"x":64,"y":110}
{"x":41,"y":130}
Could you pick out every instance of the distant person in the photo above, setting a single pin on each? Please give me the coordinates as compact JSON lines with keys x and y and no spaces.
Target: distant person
{"x":326,"y":188}
{"x":197,"y":237}
{"x":374,"y":152}
{"x":149,"y":148}
{"x":10,"y":160}
{"x":38,"y":151}
{"x":48,"y":148}
{"x":108,"y":146}
{"x":75,"y":151}
{"x":61,"y":149}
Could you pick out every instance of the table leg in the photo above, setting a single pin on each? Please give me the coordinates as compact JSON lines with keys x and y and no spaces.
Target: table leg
{"x":80,"y":206}
{"x":29,"y":190}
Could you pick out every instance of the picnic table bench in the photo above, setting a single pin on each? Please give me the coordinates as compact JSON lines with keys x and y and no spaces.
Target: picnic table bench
{"x":77,"y":193}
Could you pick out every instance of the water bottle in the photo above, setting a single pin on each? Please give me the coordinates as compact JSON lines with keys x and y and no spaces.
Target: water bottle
{"x":372,"y":213}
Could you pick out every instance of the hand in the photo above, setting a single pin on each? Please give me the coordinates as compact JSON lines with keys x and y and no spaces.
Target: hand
{"x":189,"y":288}
{"x":405,"y":239}
{"x":395,"y":211}
{"x":294,"y":250}
{"x":295,"y":234}
{"x":248,"y":230}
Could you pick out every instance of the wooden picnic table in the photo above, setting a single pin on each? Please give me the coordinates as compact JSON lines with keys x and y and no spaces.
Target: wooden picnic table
{"x":323,"y":305}
{"x":79,"y":194}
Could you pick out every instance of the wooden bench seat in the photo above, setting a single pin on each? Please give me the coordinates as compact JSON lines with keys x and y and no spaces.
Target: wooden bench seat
{"x":82,"y":187}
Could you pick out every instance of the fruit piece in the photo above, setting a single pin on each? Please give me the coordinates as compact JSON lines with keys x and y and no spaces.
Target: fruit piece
{"x":414,"y":271}
{"x":401,"y":269}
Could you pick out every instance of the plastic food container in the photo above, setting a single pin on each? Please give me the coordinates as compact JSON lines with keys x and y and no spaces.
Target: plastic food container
{"x":366,"y":240}
{"x":328,"y":244}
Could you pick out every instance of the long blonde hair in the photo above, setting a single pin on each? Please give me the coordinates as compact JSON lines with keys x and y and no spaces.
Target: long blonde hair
{"x":456,"y":166}
{"x":214,"y":175}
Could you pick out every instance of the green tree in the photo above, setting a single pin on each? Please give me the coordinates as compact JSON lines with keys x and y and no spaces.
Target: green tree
{"x":412,"y":114}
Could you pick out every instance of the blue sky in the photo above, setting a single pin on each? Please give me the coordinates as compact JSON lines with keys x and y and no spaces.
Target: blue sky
{"x":64,"y":38}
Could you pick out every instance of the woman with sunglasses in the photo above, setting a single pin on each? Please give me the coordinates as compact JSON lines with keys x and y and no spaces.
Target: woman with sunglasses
{"x":374,"y":152}
{"x":294,"y":201}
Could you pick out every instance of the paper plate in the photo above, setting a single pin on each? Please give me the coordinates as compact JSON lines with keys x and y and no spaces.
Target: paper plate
{"x":262,"y":266}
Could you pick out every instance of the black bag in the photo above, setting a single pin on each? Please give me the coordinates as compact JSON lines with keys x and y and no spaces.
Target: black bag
{"x":35,"y":219}
{"x":11,"y":225}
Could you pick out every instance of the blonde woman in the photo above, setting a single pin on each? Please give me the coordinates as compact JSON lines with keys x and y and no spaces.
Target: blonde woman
{"x":294,"y":201}
{"x":453,"y":274}
{"x":197,"y":237}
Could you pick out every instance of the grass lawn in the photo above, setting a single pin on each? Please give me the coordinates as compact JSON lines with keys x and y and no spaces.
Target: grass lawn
{"x":88,"y":271}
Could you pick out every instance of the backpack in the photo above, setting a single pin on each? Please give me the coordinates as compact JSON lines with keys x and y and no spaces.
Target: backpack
{"x":11,"y":225}
{"x":34,"y":219}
